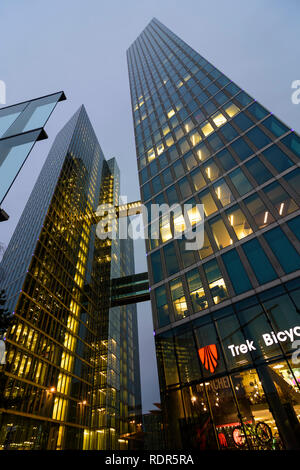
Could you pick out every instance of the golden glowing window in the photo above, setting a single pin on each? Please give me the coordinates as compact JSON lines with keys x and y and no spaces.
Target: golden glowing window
{"x":169,"y":141}
{"x":179,"y":223}
{"x":195,"y":138}
{"x":218,"y":290}
{"x":211,"y":170}
{"x":239,"y":223}
{"x":194,"y":215}
{"x":165,"y":129}
{"x":209,"y":203}
{"x":171,"y":113}
{"x":165,"y":229}
{"x":223,"y":193}
{"x":178,"y":298}
{"x":219,"y":119}
{"x":207,"y":128}
{"x":220,"y":233}
{"x":231,"y":109}
{"x":160,"y":148}
{"x":151,"y":155}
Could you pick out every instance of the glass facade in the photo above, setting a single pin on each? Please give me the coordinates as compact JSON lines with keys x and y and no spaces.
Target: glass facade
{"x":71,"y":378}
{"x":200,"y":138}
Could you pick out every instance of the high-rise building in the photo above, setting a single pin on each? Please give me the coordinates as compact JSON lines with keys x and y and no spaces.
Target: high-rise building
{"x":225,"y":316}
{"x":71,"y":378}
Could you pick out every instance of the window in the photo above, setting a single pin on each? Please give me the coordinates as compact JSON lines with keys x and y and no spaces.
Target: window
{"x":178,"y":299}
{"x":258,"y":137}
{"x":190,"y":160}
{"x":293,"y":179}
{"x":257,"y":111}
{"x":219,"y":119}
{"x":195,"y":138}
{"x":228,"y":132}
{"x":283,"y":250}
{"x":258,"y":170}
{"x":258,"y":210}
{"x":153,"y":167}
{"x":242,"y":149}
{"x":160,"y":148}
{"x":280,"y":199}
{"x":243,"y":98}
{"x":185,"y":188}
{"x":209,"y":204}
{"x":275,"y":126}
{"x":151,"y":155}
{"x":156,"y":267}
{"x":172,"y":195}
{"x":239,"y":222}
{"x":202,"y":152}
{"x":215,"y":281}
{"x":215,"y":142}
{"x":173,"y":153}
{"x":193,"y":213}
{"x":206,"y":128}
{"x":144,"y":175}
{"x":146,"y":191}
{"x":184,"y":145}
{"x":178,"y":169}
{"x":240,"y":182}
{"x":220,"y":233}
{"x":170,"y":113}
{"x":196,"y":290}
{"x":167,"y":176}
{"x":171,"y":259}
{"x":165,"y":228}
{"x":259,"y":262}
{"x":162,"y":306}
{"x":292,"y":142}
{"x":188,"y":256}
{"x":231,"y":109}
{"x":206,"y":250}
{"x":223,"y":193}
{"x":179,"y":223}
{"x":236,"y":272}
{"x":156,"y":184}
{"x":226,"y":159}
{"x":277,"y":158}
{"x":169,"y":140}
{"x":211,"y":170}
{"x":198,"y":179}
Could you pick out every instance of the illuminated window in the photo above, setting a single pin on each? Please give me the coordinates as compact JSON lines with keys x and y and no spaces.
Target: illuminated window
{"x":209,"y":204}
{"x":151,"y":155}
{"x":207,"y":128}
{"x":211,"y":170}
{"x":206,"y":250}
{"x":179,"y":223}
{"x":165,"y":129}
{"x":219,"y":119}
{"x":220,"y":233}
{"x":194,"y":215}
{"x":196,"y":290}
{"x":169,"y":141}
{"x":239,"y":222}
{"x":165,"y":228}
{"x":231,"y":109}
{"x":198,"y":179}
{"x":215,"y":281}
{"x":170,"y":113}
{"x":178,"y":299}
{"x":190,"y":160}
{"x":188,"y":125}
{"x":160,"y":148}
{"x":280,"y":199}
{"x":259,"y":211}
{"x":223,"y":193}
{"x":195,"y":138}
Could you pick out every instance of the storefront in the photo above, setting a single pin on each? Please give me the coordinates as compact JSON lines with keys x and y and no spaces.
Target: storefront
{"x":231,"y":379}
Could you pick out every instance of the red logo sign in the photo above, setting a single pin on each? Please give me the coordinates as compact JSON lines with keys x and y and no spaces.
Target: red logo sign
{"x":209,"y":357}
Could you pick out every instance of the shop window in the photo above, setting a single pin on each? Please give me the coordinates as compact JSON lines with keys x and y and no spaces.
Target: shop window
{"x":209,"y":351}
{"x":280,"y":199}
{"x":240,"y":182}
{"x":178,"y":299}
{"x":259,"y":211}
{"x":171,"y":259}
{"x":220,"y":233}
{"x":208,"y":202}
{"x":196,"y":290}
{"x":215,"y":281}
{"x":239,"y":222}
{"x":259,"y":261}
{"x":230,"y":334}
{"x":223,"y":192}
{"x":236,"y":272}
{"x":283,"y":250}
{"x":162,"y":306}
{"x":277,"y":158}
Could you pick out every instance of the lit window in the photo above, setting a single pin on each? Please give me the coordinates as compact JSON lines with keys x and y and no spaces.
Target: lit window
{"x":198,"y":179}
{"x":231,"y":109}
{"x":151,"y":155}
{"x":219,"y":119}
{"x":211,"y":170}
{"x":220,"y":233}
{"x":202,"y":152}
{"x":196,"y":290}
{"x":169,"y":141}
{"x":195,"y":138}
{"x":165,"y":129}
{"x":206,"y":249}
{"x":178,"y":298}
{"x":209,"y":204}
{"x":171,"y":113}
{"x":216,"y":282}
{"x":165,"y":229}
{"x":179,"y":223}
{"x":194,"y":215}
{"x":160,"y":148}
{"x":239,"y":223}
{"x":223,"y":193}
{"x":188,"y":125}
{"x":207,"y":128}
{"x":259,"y":211}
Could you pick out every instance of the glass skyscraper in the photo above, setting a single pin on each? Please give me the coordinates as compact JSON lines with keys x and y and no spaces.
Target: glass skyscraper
{"x":225,"y":316}
{"x":71,"y":378}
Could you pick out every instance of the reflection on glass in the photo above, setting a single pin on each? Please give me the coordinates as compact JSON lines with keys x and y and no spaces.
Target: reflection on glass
{"x":165,"y":229}
{"x":209,"y":204}
{"x":223,"y":193}
{"x":211,"y":170}
{"x":280,"y":199}
{"x":259,"y":211}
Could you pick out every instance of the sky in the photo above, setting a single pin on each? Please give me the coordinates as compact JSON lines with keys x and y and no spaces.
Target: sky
{"x":79,"y":46}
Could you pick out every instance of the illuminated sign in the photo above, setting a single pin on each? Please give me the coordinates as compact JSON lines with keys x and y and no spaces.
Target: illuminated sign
{"x":209,"y":357}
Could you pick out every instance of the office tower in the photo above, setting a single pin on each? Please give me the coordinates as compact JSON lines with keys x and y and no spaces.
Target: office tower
{"x":63,"y":385}
{"x":21,"y":125}
{"x":226,"y":315}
